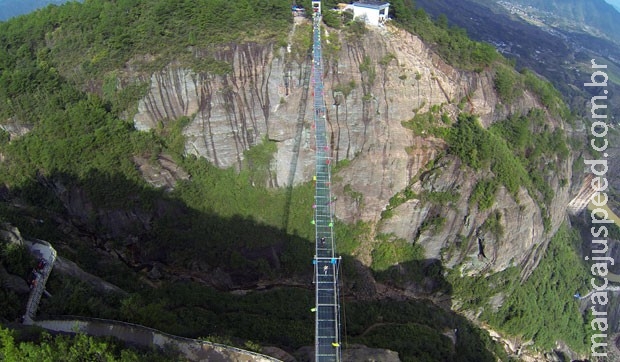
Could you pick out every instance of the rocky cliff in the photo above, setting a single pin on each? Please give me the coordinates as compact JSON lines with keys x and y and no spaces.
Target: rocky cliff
{"x":374,"y":83}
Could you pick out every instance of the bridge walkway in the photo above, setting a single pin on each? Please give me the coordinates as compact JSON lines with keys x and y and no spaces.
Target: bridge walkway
{"x":326,"y":278}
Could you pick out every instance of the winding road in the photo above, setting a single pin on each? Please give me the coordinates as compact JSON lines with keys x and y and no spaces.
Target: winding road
{"x":611,"y":288}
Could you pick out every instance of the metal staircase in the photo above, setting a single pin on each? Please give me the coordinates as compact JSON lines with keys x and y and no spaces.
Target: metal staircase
{"x":48,"y":255}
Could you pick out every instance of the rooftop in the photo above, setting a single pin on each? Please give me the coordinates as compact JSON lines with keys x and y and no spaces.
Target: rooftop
{"x":374,"y":4}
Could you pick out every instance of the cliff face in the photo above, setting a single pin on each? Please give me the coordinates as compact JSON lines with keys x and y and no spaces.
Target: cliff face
{"x":373,"y":83}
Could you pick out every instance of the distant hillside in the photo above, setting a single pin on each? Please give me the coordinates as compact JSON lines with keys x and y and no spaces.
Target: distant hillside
{"x":561,"y":56}
{"x":11,"y":8}
{"x":614,"y":3}
{"x":577,"y":15}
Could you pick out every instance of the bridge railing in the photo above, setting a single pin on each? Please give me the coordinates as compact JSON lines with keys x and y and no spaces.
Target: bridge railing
{"x":326,"y":264}
{"x":195,"y":349}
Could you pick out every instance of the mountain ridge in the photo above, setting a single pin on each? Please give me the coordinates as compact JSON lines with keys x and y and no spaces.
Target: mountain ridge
{"x":440,"y":184}
{"x":614,"y":3}
{"x":577,"y":15}
{"x":560,"y":56}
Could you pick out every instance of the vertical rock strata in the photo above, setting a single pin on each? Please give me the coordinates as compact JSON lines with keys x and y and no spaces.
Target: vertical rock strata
{"x":373,"y":83}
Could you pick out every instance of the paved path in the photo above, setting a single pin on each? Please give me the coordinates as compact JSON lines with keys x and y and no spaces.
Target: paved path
{"x":611,"y":288}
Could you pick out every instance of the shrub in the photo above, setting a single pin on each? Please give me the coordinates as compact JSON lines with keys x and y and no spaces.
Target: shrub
{"x":484,"y":193}
{"x":391,"y":251}
{"x":507,"y":85}
{"x":332,"y":19}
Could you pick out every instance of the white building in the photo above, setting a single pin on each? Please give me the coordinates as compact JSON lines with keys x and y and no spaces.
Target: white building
{"x":374,"y":12}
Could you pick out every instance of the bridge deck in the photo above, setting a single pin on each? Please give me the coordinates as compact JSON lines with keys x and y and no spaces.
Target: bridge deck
{"x":326,"y":263}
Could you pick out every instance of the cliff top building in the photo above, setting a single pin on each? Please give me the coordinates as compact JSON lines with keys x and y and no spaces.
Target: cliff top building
{"x":372,"y":11}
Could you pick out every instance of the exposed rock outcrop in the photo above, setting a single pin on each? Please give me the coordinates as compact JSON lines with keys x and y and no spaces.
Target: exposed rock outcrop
{"x":68,"y":267}
{"x":355,"y":352}
{"x":163,"y":173}
{"x":15,"y":128}
{"x":365,"y":354}
{"x":13,"y":282}
{"x":11,"y":234}
{"x":375,"y":82}
{"x":16,"y":283}
{"x":584,"y":196}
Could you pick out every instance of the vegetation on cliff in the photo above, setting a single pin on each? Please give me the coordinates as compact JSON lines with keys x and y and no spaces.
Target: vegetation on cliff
{"x":59,"y":77}
{"x":543,"y":308}
{"x":452,"y":43}
{"x":518,"y":151}
{"x":35,"y":346}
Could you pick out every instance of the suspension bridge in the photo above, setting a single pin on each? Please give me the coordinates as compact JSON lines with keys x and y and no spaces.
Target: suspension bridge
{"x":326,"y":263}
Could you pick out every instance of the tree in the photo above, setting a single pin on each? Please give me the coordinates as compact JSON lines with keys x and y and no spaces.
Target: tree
{"x":70,"y":349}
{"x":401,"y":11}
{"x":442,"y":21}
{"x":507,"y":85}
{"x":332,"y":19}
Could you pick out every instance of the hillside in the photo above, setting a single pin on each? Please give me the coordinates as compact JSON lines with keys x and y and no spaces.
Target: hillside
{"x":172,"y":157}
{"x":614,"y":3}
{"x":595,"y":17}
{"x":557,"y":52}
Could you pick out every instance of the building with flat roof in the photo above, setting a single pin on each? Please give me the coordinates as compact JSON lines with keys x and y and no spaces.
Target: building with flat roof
{"x":373,"y":12}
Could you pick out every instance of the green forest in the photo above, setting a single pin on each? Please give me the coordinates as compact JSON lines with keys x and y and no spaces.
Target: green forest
{"x":59,"y":78}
